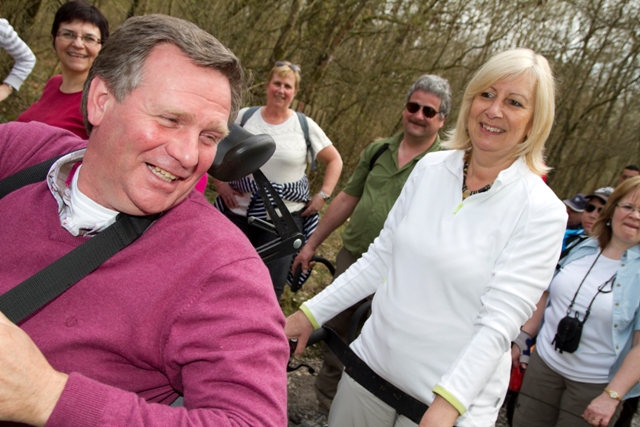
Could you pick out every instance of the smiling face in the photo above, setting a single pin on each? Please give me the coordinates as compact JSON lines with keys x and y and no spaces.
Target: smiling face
{"x":501,"y":117}
{"x":281,"y":90}
{"x":147,"y":153}
{"x":417,"y":125}
{"x":76,"y":56}
{"x":625,"y":224}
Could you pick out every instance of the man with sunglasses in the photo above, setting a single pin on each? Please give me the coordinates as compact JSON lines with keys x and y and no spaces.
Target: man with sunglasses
{"x":367,"y":199}
{"x":594,"y":204}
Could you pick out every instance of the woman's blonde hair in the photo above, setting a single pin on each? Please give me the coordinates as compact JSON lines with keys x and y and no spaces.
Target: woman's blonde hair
{"x":601,"y":229}
{"x":284,"y":69}
{"x":510,"y":65}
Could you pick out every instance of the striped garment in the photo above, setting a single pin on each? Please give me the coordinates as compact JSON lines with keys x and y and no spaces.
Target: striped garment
{"x":293,"y":191}
{"x":22,"y":55}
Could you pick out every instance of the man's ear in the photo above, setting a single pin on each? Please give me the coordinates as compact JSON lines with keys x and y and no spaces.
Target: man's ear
{"x":98,"y":101}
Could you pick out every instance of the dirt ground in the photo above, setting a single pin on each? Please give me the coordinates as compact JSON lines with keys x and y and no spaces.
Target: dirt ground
{"x":302,"y":398}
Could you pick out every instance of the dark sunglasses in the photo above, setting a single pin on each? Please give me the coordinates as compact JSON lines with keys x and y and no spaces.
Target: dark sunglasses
{"x":590,"y":208}
{"x":294,"y":67}
{"x":414,"y":107}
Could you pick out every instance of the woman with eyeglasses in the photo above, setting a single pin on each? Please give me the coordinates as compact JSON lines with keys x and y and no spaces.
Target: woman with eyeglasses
{"x":464,"y":255}
{"x":587,"y":358}
{"x":286,"y":168}
{"x":79,"y":30}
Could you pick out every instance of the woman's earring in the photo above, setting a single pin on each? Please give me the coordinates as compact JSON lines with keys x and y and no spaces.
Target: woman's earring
{"x":609,"y":223}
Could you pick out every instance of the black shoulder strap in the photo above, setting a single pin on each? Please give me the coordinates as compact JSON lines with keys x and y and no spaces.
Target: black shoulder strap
{"x":303,"y":124}
{"x":27,"y":176}
{"x":247,"y":115}
{"x":50,"y":282}
{"x":377,"y":154}
{"x":305,"y":129}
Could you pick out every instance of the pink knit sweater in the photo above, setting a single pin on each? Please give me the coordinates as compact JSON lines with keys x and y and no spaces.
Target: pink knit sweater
{"x":188,"y":308}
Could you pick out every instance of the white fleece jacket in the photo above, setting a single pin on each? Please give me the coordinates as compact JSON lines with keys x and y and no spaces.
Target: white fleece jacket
{"x":454,"y":281}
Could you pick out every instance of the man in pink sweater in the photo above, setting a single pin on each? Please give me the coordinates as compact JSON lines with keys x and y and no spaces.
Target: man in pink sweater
{"x":187,"y":309}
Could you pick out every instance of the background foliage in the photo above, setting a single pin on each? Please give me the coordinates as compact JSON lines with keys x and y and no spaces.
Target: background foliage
{"x":358,"y":58}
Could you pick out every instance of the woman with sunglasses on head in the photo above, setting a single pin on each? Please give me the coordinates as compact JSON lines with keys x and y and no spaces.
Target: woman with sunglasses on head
{"x":286,"y":168}
{"x":587,"y":358}
{"x":464,"y":255}
{"x":79,"y":30}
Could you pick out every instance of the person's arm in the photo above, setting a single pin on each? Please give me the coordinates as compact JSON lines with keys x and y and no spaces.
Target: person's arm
{"x":24,"y":58}
{"x":530,"y":328}
{"x":521,"y":273}
{"x":223,"y":348}
{"x":440,"y":414}
{"x":339,"y":210}
{"x":29,"y":386}
{"x":330,"y":157}
{"x":602,"y":408}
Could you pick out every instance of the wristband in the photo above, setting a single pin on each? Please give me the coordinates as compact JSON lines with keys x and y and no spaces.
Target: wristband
{"x":524,"y":341}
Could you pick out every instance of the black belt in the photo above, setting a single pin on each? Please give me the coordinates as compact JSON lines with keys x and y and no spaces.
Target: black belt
{"x":404,"y":404}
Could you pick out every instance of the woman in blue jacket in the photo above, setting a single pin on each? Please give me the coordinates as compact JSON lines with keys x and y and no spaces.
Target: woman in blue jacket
{"x":587,"y":357}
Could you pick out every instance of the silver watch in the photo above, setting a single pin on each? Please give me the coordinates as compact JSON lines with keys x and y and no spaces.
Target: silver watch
{"x":324,"y":195}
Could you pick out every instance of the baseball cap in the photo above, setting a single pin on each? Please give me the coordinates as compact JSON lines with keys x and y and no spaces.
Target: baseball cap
{"x":601,"y":193}
{"x":577,"y":202}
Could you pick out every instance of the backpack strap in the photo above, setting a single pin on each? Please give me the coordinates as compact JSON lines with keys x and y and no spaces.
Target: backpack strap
{"x":38,"y":290}
{"x":305,"y":129}
{"x":27,"y":176}
{"x":303,"y":124}
{"x":53,"y":280}
{"x":247,"y":115}
{"x":377,"y":154}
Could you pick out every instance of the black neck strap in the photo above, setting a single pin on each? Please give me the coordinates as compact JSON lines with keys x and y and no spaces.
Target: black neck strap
{"x":50,"y":282}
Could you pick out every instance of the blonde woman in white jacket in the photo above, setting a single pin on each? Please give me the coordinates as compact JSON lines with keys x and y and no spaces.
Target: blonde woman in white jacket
{"x":464,"y":256}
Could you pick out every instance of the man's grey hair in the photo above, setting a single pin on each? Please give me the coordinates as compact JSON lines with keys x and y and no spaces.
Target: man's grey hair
{"x":122,"y":58}
{"x":436,"y":85}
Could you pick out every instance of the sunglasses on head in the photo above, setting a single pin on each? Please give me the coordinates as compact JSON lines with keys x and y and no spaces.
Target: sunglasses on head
{"x":294,"y":67}
{"x":414,"y":107}
{"x":590,"y":208}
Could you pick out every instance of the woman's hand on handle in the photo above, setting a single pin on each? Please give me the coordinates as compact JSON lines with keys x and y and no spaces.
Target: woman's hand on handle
{"x":300,"y":328}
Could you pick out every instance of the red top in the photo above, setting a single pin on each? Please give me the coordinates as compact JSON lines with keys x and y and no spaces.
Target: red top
{"x":57,"y":108}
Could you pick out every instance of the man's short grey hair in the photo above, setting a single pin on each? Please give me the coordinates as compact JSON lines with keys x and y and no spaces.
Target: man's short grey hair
{"x":121,"y":60}
{"x":436,"y":85}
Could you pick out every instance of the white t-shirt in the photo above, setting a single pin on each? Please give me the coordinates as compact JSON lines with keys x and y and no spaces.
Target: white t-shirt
{"x":289,"y":162}
{"x":595,"y":355}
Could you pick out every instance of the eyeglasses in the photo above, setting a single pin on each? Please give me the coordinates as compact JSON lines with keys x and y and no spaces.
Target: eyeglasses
{"x":628,"y":209}
{"x":294,"y":67}
{"x":414,"y":107}
{"x":590,"y":208}
{"x":87,"y":39}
